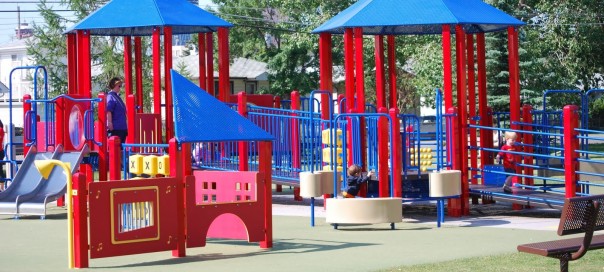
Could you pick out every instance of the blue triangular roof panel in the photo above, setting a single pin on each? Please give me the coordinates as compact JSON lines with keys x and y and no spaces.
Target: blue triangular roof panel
{"x":138,"y":17}
{"x":405,"y":17}
{"x":199,"y":117}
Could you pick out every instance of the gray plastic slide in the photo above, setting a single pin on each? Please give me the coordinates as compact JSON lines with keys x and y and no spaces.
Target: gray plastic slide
{"x":34,"y":203}
{"x":29,"y":193}
{"x":25,"y":181}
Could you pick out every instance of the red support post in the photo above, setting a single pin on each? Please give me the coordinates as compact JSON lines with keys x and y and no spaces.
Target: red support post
{"x":392,"y":72}
{"x":168,"y":82}
{"x":130,"y":113}
{"x":453,"y":144}
{"x":380,"y":77}
{"x":243,"y":145}
{"x":349,"y":67}
{"x":326,"y":72}
{"x":223,"y":64}
{"x":26,"y":124}
{"x":156,"y":48}
{"x":176,"y":171}
{"x":360,"y":88}
{"x":72,"y":64}
{"x":296,"y":163}
{"x":472,"y":106}
{"x":485,"y":135}
{"x":514,"y":92}
{"x":115,"y":151}
{"x":264,"y":167}
{"x":102,"y":128}
{"x":383,"y":141}
{"x":571,"y":144}
{"x":527,"y":140}
{"x":447,"y":69}
{"x":397,"y":149}
{"x":84,"y":68}
{"x":80,"y":220}
{"x":359,"y":69}
{"x":201,"y":44}
{"x":138,"y":67}
{"x":210,"y":63}
{"x":128,"y":65}
{"x":462,"y":110}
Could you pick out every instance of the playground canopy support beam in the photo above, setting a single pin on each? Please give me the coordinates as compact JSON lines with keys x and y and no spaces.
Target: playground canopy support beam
{"x":72,"y":64}
{"x":485,"y":157}
{"x":84,"y":69}
{"x":210,"y":62}
{"x":447,"y":70}
{"x":349,"y":67}
{"x":168,"y":82}
{"x":472,"y":104}
{"x":201,"y":45}
{"x":128,"y":65}
{"x":138,"y":64}
{"x":223,"y":64}
{"x":156,"y":48}
{"x":325,"y":81}
{"x":463,"y":207}
{"x":380,"y":77}
{"x":392,"y":73}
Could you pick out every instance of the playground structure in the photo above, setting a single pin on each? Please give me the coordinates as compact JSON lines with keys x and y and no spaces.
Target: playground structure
{"x":297,"y":135}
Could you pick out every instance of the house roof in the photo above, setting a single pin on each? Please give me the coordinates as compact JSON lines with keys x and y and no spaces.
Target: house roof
{"x":199,"y":117}
{"x":397,"y":17}
{"x":15,"y":44}
{"x":140,"y":17}
{"x":240,"y":68}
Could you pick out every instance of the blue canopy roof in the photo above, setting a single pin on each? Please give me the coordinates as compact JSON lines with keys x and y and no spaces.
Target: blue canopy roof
{"x":199,"y":117}
{"x":138,"y":17}
{"x":405,"y":17}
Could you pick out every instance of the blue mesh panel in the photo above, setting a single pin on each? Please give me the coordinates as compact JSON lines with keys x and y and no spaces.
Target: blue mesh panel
{"x":199,"y":117}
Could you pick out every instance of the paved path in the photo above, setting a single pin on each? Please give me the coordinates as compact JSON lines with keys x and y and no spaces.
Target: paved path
{"x":31,"y":244}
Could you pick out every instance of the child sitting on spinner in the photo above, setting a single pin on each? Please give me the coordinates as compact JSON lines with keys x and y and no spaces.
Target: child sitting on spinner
{"x":509,"y":139}
{"x":354,"y":181}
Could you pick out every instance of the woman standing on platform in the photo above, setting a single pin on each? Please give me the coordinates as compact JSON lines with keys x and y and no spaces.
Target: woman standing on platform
{"x":116,"y":111}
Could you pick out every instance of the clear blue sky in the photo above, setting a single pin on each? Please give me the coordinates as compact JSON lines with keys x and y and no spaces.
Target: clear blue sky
{"x":8,"y":15}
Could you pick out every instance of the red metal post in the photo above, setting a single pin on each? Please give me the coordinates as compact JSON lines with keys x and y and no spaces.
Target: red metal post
{"x":463,"y":116}
{"x":383,"y":141}
{"x":130,"y":113}
{"x":201,"y":44}
{"x":72,"y":64}
{"x":128,"y":65}
{"x":243,"y":147}
{"x":168,"y":82}
{"x":326,"y":72}
{"x":447,"y":69}
{"x":527,"y":140}
{"x":571,"y":144}
{"x":349,"y":67}
{"x":397,"y":149}
{"x":115,"y":152}
{"x":295,"y":105}
{"x":514,"y":92}
{"x":472,"y":106}
{"x":380,"y":77}
{"x":485,"y":135}
{"x":176,"y":170}
{"x":456,"y":204}
{"x":102,"y":128}
{"x":264,"y":167}
{"x":156,"y":48}
{"x":223,"y":64}
{"x":84,"y":68}
{"x":210,"y":63}
{"x":138,"y":67}
{"x":26,"y":123}
{"x":360,"y":88}
{"x":80,"y":220}
{"x":392,"y":72}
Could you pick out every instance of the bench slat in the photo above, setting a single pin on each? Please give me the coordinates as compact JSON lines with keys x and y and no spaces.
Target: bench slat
{"x":557,"y":247}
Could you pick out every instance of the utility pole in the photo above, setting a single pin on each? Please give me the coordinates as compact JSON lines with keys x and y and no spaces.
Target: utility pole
{"x":18,"y":22}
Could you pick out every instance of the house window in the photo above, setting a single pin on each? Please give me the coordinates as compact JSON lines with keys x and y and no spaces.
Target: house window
{"x":13,"y":57}
{"x":250,"y":87}
{"x":231,"y":87}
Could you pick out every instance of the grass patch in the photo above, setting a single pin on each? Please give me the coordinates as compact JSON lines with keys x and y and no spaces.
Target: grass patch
{"x":592,"y":261}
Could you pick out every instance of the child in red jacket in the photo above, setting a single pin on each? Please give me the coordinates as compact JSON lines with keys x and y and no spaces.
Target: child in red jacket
{"x":509,"y":139}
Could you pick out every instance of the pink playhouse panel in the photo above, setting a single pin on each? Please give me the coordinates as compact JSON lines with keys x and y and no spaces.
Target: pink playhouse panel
{"x":218,"y":187}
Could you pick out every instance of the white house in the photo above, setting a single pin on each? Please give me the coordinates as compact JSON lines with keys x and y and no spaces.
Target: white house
{"x":14,"y":54}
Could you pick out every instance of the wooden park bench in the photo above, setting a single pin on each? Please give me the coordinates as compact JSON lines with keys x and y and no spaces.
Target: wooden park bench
{"x":579,"y":215}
